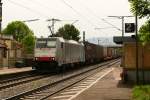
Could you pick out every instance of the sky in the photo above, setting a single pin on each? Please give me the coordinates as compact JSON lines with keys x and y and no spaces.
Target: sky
{"x":92,"y":15}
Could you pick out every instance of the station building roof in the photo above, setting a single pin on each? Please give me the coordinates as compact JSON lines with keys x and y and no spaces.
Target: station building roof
{"x":119,"y":39}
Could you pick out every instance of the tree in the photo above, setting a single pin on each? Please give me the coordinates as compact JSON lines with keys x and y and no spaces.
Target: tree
{"x":68,"y":32}
{"x":142,"y":7}
{"x":28,"y":43}
{"x":21,"y":33}
{"x":18,"y":30}
{"x":144,"y":31}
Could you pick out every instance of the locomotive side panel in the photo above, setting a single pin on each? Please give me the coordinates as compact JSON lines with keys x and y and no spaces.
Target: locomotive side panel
{"x":60,"y":52}
{"x":71,"y":52}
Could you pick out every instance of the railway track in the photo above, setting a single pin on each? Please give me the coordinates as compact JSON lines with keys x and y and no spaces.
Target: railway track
{"x":66,"y":80}
{"x":20,"y":80}
{"x":12,"y":86}
{"x":18,"y":75}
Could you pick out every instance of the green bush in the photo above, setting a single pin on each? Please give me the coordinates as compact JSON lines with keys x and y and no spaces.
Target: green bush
{"x":141,"y":92}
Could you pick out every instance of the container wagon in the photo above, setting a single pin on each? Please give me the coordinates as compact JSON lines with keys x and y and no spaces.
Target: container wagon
{"x":93,"y":53}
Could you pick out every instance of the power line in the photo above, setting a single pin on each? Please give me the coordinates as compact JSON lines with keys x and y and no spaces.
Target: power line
{"x":45,"y":6}
{"x":77,"y":12}
{"x":27,"y":8}
{"x":104,"y":28}
{"x":111,"y":24}
{"x":89,"y":10}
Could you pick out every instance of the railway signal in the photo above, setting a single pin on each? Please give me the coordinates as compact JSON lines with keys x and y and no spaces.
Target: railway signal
{"x":122,"y":18}
{"x":129,"y":27}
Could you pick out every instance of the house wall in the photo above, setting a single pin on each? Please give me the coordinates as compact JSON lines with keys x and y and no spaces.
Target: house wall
{"x":10,"y":51}
{"x":130,"y":56}
{"x":1,"y":58}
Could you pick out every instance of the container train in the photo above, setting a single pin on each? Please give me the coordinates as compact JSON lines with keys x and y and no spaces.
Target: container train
{"x":55,"y":53}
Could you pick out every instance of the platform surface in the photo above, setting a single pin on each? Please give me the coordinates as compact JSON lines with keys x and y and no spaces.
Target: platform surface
{"x":108,"y":88}
{"x":5,"y":71}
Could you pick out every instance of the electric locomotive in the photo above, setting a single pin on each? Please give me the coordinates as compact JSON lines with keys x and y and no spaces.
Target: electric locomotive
{"x":55,"y":52}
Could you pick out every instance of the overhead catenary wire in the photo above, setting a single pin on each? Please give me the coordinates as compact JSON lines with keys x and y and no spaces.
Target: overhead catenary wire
{"x":27,"y":8}
{"x":89,"y":10}
{"x":85,"y":18}
{"x":44,"y":6}
{"x":71,"y":7}
{"x":104,"y":20}
{"x":104,"y":27}
{"x":111,"y":24}
{"x":37,"y":12}
{"x":31,"y":10}
{"x":37,"y":3}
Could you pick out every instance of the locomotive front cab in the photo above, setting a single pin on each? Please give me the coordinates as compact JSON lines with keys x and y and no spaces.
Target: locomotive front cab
{"x":45,"y":53}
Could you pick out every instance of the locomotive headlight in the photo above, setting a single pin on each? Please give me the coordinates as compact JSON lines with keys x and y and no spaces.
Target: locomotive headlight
{"x":53,"y":58}
{"x":36,"y":58}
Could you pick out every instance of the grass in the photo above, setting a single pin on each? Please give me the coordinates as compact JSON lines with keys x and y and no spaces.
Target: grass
{"x":141,"y":92}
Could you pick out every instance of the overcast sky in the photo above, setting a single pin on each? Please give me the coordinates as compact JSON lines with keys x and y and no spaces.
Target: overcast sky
{"x":89,"y":13}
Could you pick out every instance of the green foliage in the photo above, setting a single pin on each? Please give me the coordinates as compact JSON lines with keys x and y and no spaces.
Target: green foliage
{"x":28,"y":43}
{"x":142,"y":7}
{"x":18,"y":29}
{"x":144,"y":31}
{"x":141,"y":92}
{"x":21,"y":33}
{"x":69,"y":32}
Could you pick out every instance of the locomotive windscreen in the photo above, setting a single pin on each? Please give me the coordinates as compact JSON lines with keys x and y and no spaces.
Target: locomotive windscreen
{"x":46,"y":43}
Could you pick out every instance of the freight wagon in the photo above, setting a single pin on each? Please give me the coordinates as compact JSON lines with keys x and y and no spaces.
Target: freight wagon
{"x":93,"y":53}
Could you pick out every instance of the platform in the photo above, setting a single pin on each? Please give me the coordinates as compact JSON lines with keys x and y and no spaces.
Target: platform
{"x":107,"y":88}
{"x":7,"y":71}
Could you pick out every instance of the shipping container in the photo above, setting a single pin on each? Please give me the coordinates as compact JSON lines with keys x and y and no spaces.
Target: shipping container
{"x":93,"y":52}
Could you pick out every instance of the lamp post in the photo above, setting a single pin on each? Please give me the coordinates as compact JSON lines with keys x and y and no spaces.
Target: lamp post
{"x":0,"y":16}
{"x":136,"y":34}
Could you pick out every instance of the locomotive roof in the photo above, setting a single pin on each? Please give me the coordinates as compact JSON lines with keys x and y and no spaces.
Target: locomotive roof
{"x":51,"y":38}
{"x":70,"y":41}
{"x":60,"y":39}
